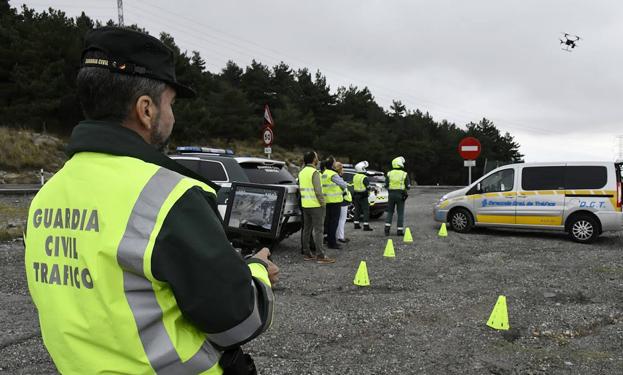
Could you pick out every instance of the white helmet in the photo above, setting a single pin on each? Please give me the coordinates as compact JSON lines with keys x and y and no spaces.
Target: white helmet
{"x":361,"y":166}
{"x":398,"y":162}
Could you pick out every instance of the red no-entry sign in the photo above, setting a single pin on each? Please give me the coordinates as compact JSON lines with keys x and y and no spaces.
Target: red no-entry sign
{"x":469,"y":148}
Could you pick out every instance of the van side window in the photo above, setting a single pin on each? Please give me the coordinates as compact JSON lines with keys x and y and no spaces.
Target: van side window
{"x":543,"y":178}
{"x":212,"y":170}
{"x":586,"y":177}
{"x":500,"y":181}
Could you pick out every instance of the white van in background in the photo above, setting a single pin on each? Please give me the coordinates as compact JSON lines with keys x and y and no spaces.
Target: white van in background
{"x":582,"y":199}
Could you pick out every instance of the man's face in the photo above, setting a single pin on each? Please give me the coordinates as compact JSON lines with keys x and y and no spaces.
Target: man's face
{"x":162,"y":125}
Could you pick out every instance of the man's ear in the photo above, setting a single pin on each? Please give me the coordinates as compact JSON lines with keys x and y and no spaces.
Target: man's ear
{"x":145,"y":111}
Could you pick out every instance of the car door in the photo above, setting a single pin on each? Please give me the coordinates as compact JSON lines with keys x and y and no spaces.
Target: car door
{"x":541,"y":199}
{"x":494,"y":198}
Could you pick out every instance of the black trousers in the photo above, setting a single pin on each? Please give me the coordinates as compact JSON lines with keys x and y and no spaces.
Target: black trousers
{"x":331,"y":221}
{"x":362,"y":207}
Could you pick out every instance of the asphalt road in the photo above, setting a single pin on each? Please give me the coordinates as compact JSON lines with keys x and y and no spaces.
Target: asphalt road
{"x":425,"y":311}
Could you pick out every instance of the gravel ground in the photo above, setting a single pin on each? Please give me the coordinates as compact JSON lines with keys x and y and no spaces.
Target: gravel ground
{"x":425,"y":312}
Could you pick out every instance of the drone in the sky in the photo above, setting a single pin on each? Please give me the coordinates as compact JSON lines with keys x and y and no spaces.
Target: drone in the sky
{"x":569,"y":42}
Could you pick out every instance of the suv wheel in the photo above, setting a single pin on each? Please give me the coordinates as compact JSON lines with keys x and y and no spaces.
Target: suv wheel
{"x":461,"y":220}
{"x":583,"y":229}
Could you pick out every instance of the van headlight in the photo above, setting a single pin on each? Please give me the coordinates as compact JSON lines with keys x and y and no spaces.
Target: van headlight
{"x":442,"y":199}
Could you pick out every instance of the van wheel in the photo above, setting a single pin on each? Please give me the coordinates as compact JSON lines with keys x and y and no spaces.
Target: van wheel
{"x":461,"y":220}
{"x":583,"y":229}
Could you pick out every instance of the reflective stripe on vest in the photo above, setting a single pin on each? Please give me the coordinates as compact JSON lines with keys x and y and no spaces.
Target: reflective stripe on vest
{"x":397,"y":179}
{"x":306,"y":187}
{"x":101,"y":309}
{"x":358,"y":183}
{"x":332,"y":192}
{"x":139,"y":291}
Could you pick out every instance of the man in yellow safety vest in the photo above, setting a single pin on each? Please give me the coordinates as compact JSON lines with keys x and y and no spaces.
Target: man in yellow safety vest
{"x":398,"y":184}
{"x":313,"y":204}
{"x":361,"y":187}
{"x":126,"y":258}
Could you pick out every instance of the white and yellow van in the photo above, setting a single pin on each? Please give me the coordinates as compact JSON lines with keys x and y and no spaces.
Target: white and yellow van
{"x":581,"y":198}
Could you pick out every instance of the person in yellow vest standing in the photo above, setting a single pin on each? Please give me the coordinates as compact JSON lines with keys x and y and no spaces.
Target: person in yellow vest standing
{"x":313,"y":205}
{"x":333,"y":187}
{"x":398,"y":184}
{"x":361,"y":187}
{"x":348,"y":200}
{"x":126,"y":257}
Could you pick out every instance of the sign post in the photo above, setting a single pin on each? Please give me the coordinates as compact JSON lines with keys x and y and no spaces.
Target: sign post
{"x":469,"y":149}
{"x":267,"y":132}
{"x":267,"y":138}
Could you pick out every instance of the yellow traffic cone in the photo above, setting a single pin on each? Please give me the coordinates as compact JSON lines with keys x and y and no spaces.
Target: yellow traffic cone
{"x":407,"y":237}
{"x":443,"y":232}
{"x":389,"y":249}
{"x":361,"y":277}
{"x":499,"y":316}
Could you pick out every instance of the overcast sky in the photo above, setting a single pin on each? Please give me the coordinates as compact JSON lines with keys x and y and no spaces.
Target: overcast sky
{"x":458,"y":60}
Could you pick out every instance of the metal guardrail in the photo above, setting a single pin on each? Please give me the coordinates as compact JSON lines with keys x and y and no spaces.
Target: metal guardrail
{"x":19,"y":188}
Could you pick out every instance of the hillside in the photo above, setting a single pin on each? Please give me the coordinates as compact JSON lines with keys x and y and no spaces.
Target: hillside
{"x":23,"y":154}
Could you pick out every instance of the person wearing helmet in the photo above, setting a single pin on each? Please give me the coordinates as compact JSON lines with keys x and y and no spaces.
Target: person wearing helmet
{"x":397,"y":183}
{"x":361,"y":187}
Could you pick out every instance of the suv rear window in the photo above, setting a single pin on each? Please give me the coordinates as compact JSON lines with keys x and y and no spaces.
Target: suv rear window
{"x":267,"y":174}
{"x":586,"y":177}
{"x":212,"y":170}
{"x":543,"y":178}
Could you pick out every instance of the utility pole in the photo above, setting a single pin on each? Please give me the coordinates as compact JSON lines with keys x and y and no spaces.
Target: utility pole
{"x":120,"y":11}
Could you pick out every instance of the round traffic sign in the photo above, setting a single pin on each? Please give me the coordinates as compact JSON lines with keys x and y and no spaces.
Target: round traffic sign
{"x":469,"y":148}
{"x":267,"y":136}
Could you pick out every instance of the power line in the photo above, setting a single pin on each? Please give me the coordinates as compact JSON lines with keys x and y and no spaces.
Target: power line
{"x":199,"y":31}
{"x":390,"y":94}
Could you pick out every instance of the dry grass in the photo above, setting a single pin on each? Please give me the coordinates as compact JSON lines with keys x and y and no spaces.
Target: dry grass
{"x":23,"y":150}
{"x":12,"y":221}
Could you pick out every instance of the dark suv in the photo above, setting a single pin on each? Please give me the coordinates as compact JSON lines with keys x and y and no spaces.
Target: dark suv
{"x":223,"y":168}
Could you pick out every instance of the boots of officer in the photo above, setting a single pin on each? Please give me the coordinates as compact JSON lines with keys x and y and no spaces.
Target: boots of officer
{"x":357,"y":226}
{"x":366,"y":227}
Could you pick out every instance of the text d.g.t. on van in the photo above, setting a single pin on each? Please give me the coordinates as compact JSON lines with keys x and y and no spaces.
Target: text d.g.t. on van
{"x":581,"y":198}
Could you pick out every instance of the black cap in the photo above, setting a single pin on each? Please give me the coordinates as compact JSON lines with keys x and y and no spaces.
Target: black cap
{"x":135,"y":53}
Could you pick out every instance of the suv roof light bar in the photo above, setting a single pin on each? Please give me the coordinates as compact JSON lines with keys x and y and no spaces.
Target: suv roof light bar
{"x":207,"y":150}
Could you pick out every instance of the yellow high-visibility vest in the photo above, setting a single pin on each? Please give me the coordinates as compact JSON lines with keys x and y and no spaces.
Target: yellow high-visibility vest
{"x":306,"y":187}
{"x":348,"y":196}
{"x":358,"y":185}
{"x":88,"y":265}
{"x":332,"y":192}
{"x":397,"y":179}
